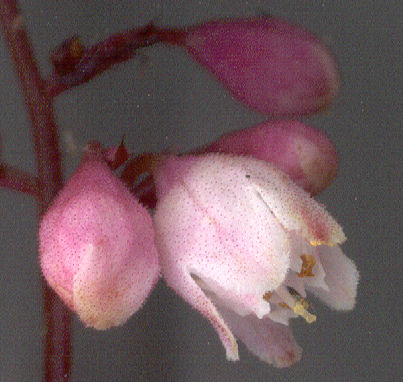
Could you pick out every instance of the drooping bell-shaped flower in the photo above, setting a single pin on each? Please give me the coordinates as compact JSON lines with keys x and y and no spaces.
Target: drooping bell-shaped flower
{"x":241,"y":243}
{"x":270,"y":65}
{"x":96,"y":246}
{"x":305,"y":154}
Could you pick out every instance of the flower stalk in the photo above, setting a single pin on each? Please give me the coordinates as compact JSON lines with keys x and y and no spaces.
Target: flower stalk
{"x":57,"y":359}
{"x":18,"y":180}
{"x":75,"y":64}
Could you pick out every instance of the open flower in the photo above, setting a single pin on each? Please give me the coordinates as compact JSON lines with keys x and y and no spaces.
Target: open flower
{"x":96,"y":245}
{"x":240,"y":242}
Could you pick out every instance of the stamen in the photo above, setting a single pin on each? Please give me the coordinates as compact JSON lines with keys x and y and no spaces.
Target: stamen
{"x":293,"y":292}
{"x":301,"y":311}
{"x":308,"y":262}
{"x":267,"y":296}
{"x":286,"y":294}
{"x":301,"y":306}
{"x":292,"y":298}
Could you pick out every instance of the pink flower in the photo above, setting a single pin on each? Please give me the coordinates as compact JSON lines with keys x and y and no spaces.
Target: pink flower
{"x":96,"y":245}
{"x":305,"y":154}
{"x":241,"y":243}
{"x":270,"y":65}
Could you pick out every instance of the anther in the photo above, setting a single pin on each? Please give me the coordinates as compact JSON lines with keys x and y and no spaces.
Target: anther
{"x":301,"y":306}
{"x":308,"y":262}
{"x":301,"y":311}
{"x":267,"y":296}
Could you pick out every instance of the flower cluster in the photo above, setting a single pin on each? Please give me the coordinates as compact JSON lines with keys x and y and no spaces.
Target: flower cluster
{"x":235,"y":231}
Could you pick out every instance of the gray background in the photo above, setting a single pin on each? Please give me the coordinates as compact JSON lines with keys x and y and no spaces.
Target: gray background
{"x":166,"y":101}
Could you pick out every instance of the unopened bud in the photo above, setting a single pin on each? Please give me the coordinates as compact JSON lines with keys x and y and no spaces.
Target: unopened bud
{"x":270,"y":65}
{"x":304,"y":153}
{"x":96,"y":245}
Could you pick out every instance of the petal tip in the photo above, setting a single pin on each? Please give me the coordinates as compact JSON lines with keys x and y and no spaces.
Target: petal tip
{"x":232,"y":351}
{"x":288,"y":358}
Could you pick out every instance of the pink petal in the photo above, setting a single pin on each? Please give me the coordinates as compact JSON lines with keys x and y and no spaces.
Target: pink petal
{"x":305,"y":154}
{"x":269,"y":64}
{"x":215,"y":209}
{"x":270,"y":341}
{"x":209,"y":237}
{"x":178,"y":241}
{"x":341,"y":277}
{"x":294,"y":209}
{"x":189,"y":242}
{"x":107,"y":292}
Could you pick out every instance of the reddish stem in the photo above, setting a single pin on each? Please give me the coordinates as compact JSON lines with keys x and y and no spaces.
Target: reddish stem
{"x":74,"y":64}
{"x":18,"y":180}
{"x":40,"y":107}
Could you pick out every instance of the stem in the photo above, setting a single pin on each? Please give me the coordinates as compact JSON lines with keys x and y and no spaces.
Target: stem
{"x":18,"y":180}
{"x":39,"y":103}
{"x":74,"y":64}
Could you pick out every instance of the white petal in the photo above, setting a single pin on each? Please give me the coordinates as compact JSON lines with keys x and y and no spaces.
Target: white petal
{"x":227,"y":238}
{"x":295,"y":282}
{"x":341,"y":277}
{"x":291,"y":205}
{"x":270,"y":341}
{"x":281,"y":315}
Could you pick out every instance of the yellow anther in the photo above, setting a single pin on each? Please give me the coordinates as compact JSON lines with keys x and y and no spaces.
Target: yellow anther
{"x":267,"y":296}
{"x":301,"y":311}
{"x":284,"y":305}
{"x":315,"y":243}
{"x":308,"y":262}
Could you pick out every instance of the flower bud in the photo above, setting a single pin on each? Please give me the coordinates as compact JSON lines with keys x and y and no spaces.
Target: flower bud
{"x":270,"y":65}
{"x":96,"y":245}
{"x":305,"y":154}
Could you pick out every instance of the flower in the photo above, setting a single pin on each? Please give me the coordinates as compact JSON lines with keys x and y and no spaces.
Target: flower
{"x":270,"y":65}
{"x":96,"y":245}
{"x":241,"y":243}
{"x":305,"y":154}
